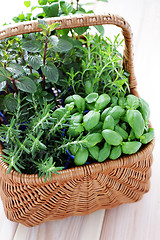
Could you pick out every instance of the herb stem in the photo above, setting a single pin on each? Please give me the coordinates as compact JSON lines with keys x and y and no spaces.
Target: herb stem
{"x":72,"y":143}
{"x":77,"y":8}
{"x":30,"y":69}
{"x":7,"y":91}
{"x":14,"y":85}
{"x":44,"y":61}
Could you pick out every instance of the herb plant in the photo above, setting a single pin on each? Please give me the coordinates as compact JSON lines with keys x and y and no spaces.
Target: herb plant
{"x":66,"y":101}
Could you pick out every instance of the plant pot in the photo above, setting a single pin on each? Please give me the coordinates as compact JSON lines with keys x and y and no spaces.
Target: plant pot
{"x":27,"y":199}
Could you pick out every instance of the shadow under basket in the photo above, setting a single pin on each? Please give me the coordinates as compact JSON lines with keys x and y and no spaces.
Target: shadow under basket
{"x":30,"y":201}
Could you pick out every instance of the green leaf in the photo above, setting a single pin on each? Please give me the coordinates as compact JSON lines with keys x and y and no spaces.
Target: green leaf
{"x":115,"y":152}
{"x":51,"y":72}
{"x":63,"y":45}
{"x":35,"y":61}
{"x":92,"y":139}
{"x":42,"y":26}
{"x":42,"y":2}
{"x":52,"y":10}
{"x":136,"y":122}
{"x":51,"y":1}
{"x":43,"y":22}
{"x":144,"y":109}
{"x":81,"y":156}
{"x":104,"y":152}
{"x":94,"y":151}
{"x":15,"y":69}
{"x":79,"y":102}
{"x":63,"y":31}
{"x":132,"y":102}
{"x":53,"y":40}
{"x":2,"y":85}
{"x":92,"y":97}
{"x":10,"y":102}
{"x":100,"y":29}
{"x":26,"y":84}
{"x":27,"y":3}
{"x":88,"y":87}
{"x":91,"y":119}
{"x":80,"y":30}
{"x":4,"y":74}
{"x":131,"y":147}
{"x":33,"y":46}
{"x":112,"y":137}
{"x":54,"y":26}
{"x":147,"y":137}
{"x":66,"y":7}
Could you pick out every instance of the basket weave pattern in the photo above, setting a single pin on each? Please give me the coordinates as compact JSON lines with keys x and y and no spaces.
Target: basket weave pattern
{"x":81,"y":190}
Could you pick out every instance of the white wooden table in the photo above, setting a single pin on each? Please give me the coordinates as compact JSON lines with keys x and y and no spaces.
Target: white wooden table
{"x":137,"y":221}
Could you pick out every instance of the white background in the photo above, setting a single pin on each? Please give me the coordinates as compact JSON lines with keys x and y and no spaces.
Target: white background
{"x":136,"y":221}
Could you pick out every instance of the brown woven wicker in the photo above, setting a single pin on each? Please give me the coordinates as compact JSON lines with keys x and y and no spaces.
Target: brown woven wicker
{"x":81,"y":190}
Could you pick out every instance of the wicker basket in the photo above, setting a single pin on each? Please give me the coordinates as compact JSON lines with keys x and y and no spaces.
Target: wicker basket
{"x":80,"y":190}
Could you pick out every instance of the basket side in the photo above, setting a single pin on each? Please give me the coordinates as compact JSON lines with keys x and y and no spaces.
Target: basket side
{"x":83,"y":191}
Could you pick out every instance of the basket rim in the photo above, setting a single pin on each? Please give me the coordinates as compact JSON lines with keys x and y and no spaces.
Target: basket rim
{"x":74,"y":172}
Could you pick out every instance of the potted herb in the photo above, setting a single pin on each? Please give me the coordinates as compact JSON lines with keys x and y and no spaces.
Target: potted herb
{"x":66,"y":102}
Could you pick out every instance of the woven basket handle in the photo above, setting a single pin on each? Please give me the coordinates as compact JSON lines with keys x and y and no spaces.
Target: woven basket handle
{"x":81,"y":21}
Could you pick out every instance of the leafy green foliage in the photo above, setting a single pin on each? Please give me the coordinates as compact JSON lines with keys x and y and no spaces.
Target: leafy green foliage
{"x":35,"y":61}
{"x":47,"y":167}
{"x":66,"y":7}
{"x":42,"y":2}
{"x":33,"y":46}
{"x":10,"y":102}
{"x":62,"y":45}
{"x":51,"y":72}
{"x":40,"y":72}
{"x":27,"y":3}
{"x":26,"y":84}
{"x":52,"y":10}
{"x":100,"y":29}
{"x":106,"y":136}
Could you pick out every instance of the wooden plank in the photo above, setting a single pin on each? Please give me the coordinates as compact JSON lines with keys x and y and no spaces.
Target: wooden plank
{"x":76,"y":227}
{"x":7,"y":228}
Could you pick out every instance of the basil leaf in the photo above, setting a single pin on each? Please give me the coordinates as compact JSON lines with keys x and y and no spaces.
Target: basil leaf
{"x":136,"y":122}
{"x":92,"y":97}
{"x":92,"y":139}
{"x":132,"y":102}
{"x":144,"y":109}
